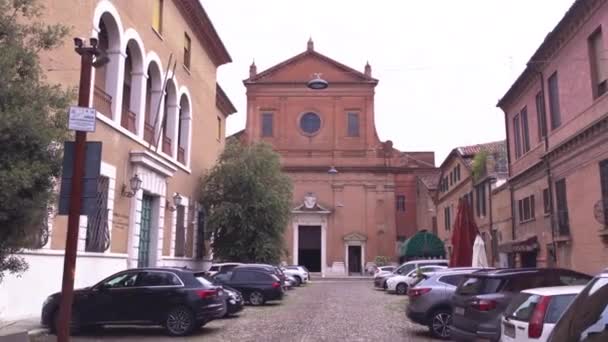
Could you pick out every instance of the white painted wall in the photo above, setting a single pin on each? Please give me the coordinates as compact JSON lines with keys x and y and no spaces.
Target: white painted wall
{"x":22,"y":297}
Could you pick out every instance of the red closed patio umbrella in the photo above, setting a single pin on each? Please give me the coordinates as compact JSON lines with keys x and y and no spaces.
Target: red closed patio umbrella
{"x":463,"y":236}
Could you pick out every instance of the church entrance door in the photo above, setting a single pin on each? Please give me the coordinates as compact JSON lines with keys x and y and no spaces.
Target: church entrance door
{"x":309,"y":247}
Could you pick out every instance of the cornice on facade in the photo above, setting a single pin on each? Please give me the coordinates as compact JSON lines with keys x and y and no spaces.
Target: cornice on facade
{"x":201,"y":25}
{"x":223,"y":102}
{"x":370,"y":169}
{"x":597,"y":128}
{"x":574,"y":18}
{"x":258,"y":78}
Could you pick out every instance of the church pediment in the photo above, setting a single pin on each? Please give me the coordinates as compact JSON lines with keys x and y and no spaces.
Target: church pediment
{"x":310,"y":205}
{"x":300,"y":68}
{"x":355,"y":236}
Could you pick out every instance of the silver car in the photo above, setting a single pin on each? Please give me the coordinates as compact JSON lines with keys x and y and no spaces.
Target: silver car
{"x":429,"y":299}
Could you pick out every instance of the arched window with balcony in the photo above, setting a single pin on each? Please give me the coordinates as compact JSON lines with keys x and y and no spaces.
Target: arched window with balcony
{"x":105,"y":76}
{"x":108,"y":29}
{"x":153,"y":96}
{"x":171,"y":112}
{"x":133,"y":87}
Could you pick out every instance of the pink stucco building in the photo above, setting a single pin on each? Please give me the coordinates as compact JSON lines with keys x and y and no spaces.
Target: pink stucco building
{"x":556,"y":117}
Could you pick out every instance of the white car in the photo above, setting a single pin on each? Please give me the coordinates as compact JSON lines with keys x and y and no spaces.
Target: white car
{"x":401,"y":283}
{"x":217,"y":268}
{"x":532,"y":313}
{"x":299,"y":273}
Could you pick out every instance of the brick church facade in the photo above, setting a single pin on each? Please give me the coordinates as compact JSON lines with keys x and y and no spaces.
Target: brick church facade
{"x":354,"y":195}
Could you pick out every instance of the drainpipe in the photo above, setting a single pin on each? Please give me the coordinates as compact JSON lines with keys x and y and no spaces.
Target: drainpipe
{"x":548,"y":164}
{"x":490,"y":182}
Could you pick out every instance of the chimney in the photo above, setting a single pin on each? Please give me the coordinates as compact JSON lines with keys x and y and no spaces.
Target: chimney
{"x":310,"y":46}
{"x":253,"y":70}
{"x":368,"y":69}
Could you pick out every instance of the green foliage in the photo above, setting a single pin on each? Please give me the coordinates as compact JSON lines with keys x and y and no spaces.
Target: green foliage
{"x":479,"y":164}
{"x":382,"y":260}
{"x":248,"y":204}
{"x":32,"y":126}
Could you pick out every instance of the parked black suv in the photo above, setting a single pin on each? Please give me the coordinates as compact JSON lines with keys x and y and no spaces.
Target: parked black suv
{"x":483,"y":296}
{"x":257,"y":284}
{"x":175,"y":298}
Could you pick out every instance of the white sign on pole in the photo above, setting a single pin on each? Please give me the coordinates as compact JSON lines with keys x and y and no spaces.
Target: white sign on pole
{"x":82,"y":119}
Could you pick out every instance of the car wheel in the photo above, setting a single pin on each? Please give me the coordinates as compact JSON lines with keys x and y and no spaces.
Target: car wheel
{"x":298,"y":281}
{"x":180,"y":321}
{"x":256,"y":298}
{"x":401,"y":288}
{"x":441,"y":321}
{"x":385,"y":285}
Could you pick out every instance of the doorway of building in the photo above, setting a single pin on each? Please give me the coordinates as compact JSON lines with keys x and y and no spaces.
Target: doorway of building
{"x":528,"y":259}
{"x":143,"y":259}
{"x":354,"y":259}
{"x":309,"y":247}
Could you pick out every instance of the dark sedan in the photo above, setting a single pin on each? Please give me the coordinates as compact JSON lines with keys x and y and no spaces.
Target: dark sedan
{"x":257,"y":285}
{"x":174,"y":298}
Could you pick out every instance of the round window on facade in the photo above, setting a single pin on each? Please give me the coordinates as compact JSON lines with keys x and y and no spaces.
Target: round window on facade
{"x":310,"y":123}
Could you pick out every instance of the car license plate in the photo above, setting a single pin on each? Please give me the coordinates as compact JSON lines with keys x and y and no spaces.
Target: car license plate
{"x":509,"y":330}
{"x":459,"y":311}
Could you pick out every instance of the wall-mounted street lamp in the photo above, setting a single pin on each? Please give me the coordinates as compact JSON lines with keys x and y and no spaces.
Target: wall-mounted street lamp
{"x":332,"y":170}
{"x":317,"y":83}
{"x":177,"y":201}
{"x":134,"y":184}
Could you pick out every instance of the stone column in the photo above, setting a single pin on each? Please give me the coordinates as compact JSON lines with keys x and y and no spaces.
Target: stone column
{"x":323,"y":248}
{"x":295,"y":242}
{"x":115,"y":77}
{"x":138,"y":100}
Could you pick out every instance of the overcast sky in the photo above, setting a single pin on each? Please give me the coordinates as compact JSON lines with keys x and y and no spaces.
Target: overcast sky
{"x":442,"y":64}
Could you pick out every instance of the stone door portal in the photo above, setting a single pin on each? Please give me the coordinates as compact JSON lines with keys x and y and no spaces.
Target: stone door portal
{"x":354,"y":259}
{"x":309,"y":247}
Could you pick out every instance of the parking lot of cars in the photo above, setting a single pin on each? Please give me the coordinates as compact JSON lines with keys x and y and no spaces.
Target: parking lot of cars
{"x":180,"y":300}
{"x":508,"y":304}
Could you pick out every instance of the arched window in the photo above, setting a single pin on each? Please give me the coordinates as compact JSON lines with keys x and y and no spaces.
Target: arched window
{"x":153,"y":96}
{"x":183,"y":128}
{"x":128,"y":117}
{"x":105,"y":90}
{"x":133,"y":87}
{"x":170,"y":119}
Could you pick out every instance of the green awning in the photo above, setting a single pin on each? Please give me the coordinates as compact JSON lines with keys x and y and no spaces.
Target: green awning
{"x":423,"y":244}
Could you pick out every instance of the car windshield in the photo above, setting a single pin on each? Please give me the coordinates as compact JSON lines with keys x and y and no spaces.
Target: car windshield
{"x":479,"y":285}
{"x":405,"y":269}
{"x":586,"y":319}
{"x":522,"y":306}
{"x":214,"y":268}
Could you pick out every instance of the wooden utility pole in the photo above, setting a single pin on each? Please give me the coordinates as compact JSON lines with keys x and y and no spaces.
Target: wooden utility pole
{"x":87,"y":53}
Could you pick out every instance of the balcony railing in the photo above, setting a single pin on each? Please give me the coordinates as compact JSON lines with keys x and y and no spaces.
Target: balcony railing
{"x":181,"y":155}
{"x":149,"y":132}
{"x":167,"y":145}
{"x":102,"y":102}
{"x":128,"y":120}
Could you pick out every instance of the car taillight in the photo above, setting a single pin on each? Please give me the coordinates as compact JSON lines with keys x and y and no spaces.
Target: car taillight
{"x":418,"y":291}
{"x":483,"y":305}
{"x":206,"y":294}
{"x":276,"y":285}
{"x":537,"y":320}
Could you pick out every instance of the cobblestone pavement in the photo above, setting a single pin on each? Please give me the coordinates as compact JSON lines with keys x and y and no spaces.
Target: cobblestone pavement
{"x":320,"y":311}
